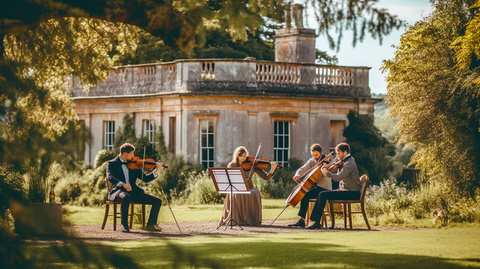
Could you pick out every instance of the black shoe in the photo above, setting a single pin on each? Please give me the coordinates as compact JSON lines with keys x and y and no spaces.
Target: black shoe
{"x":153,"y":228}
{"x":125,"y":229}
{"x":299,"y":223}
{"x":315,"y":225}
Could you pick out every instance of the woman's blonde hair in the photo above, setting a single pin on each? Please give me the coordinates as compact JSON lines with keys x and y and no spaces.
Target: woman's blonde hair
{"x":239,"y":151}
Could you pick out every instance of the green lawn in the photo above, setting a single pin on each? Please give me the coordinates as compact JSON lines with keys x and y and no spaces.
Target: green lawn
{"x":94,"y":215}
{"x":454,"y":247}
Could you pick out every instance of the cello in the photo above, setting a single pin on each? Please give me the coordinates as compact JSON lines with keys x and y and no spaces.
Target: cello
{"x":307,"y":180}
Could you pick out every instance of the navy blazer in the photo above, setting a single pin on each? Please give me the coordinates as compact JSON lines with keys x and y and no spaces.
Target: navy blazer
{"x":115,"y":175}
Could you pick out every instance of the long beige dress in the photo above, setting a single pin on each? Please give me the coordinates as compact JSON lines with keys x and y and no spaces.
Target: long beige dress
{"x":247,"y":208}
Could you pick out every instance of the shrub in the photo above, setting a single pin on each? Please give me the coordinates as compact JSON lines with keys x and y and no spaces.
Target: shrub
{"x":389,"y":199}
{"x":103,"y":156}
{"x":89,"y":189}
{"x":281,"y":184}
{"x":173,"y":180}
{"x":201,"y":190}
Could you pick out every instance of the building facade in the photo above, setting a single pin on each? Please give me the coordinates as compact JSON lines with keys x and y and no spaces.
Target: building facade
{"x":208,"y":107}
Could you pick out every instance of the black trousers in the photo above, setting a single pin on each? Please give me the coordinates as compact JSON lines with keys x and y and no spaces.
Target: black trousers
{"x":337,"y":194}
{"x":139,"y":197}
{"x":311,"y":194}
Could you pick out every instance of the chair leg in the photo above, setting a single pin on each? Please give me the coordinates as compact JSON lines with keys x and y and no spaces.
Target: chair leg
{"x":365,"y":216}
{"x":332,"y":215}
{"x":309,"y":212}
{"x":107,"y":207}
{"x":143,"y":216}
{"x":324,"y":216}
{"x":350,"y":215}
{"x":115,"y":216}
{"x":131,"y":215}
{"x":345,"y":215}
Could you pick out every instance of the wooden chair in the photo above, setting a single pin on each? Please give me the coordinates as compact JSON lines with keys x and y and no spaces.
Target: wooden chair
{"x":116,"y":215}
{"x":326,"y":212}
{"x":347,"y":204}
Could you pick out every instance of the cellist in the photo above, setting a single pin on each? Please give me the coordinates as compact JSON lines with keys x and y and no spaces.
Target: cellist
{"x":351,"y":191}
{"x":323,"y":183}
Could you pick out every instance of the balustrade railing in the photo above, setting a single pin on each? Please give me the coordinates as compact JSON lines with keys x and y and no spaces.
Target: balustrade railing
{"x":278,"y":73}
{"x":146,"y":74}
{"x":208,"y":70}
{"x":328,"y":75}
{"x":169,"y":72}
{"x":163,"y":76}
{"x":117,"y":76}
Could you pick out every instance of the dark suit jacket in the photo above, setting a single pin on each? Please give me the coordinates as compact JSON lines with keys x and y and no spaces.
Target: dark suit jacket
{"x":115,"y":175}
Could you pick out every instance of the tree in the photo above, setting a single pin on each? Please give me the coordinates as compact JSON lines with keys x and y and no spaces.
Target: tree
{"x":436,"y":103}
{"x":372,"y":152}
{"x":218,"y":44}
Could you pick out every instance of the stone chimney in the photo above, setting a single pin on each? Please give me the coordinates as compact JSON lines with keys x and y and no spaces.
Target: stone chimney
{"x":295,"y":45}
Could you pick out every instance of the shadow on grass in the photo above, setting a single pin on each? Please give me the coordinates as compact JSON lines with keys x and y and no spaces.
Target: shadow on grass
{"x":298,"y":255}
{"x":167,"y":254}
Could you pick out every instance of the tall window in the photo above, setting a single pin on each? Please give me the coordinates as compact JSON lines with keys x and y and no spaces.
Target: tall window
{"x":149,"y":130}
{"x":109,"y":134}
{"x":281,"y":144}
{"x":206,"y":143}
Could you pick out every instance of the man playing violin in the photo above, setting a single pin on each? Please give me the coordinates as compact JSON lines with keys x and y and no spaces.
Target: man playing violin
{"x":124,"y":187}
{"x":323,"y":183}
{"x":352,"y":185}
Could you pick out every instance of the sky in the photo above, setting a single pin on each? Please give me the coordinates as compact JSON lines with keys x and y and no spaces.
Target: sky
{"x":370,"y":53}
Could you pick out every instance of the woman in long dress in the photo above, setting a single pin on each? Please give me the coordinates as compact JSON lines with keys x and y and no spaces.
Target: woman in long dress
{"x":246,"y":208}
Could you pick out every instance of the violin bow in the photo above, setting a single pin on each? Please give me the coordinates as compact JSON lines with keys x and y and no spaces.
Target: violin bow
{"x":253,"y":165}
{"x":166,"y":200}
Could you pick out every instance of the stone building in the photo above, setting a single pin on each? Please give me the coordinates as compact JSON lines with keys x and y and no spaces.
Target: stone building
{"x":208,"y":107}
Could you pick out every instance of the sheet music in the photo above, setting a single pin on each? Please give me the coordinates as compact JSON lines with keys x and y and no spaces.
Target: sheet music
{"x":228,"y":180}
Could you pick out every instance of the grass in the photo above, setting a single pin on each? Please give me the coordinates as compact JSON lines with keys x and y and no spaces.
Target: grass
{"x":80,"y":215}
{"x":453,"y":247}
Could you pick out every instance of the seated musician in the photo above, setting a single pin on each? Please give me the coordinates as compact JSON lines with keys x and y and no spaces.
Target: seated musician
{"x":351,"y":191}
{"x":124,"y":187}
{"x":323,"y":183}
{"x":247,"y":208}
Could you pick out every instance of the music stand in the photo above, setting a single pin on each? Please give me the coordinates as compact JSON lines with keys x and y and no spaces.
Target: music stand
{"x":229,"y":180}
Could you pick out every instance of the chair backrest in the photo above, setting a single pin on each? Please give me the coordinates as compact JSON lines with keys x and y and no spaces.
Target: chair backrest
{"x":109,"y":184}
{"x":364,"y":180}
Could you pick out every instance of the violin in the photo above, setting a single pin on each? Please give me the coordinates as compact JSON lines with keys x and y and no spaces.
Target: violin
{"x":148,"y":164}
{"x":334,"y":165}
{"x":261,"y":164}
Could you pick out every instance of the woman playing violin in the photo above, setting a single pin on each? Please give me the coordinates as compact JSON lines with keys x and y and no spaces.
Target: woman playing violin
{"x":123,"y":186}
{"x":247,"y":208}
{"x":323,"y":183}
{"x":348,"y":173}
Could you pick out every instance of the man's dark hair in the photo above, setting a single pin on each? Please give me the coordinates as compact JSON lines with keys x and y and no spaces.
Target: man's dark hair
{"x":316,"y":147}
{"x":127,"y":147}
{"x":343,"y":147}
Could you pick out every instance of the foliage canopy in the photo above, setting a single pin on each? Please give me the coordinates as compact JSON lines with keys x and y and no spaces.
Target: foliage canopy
{"x":437,"y":104}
